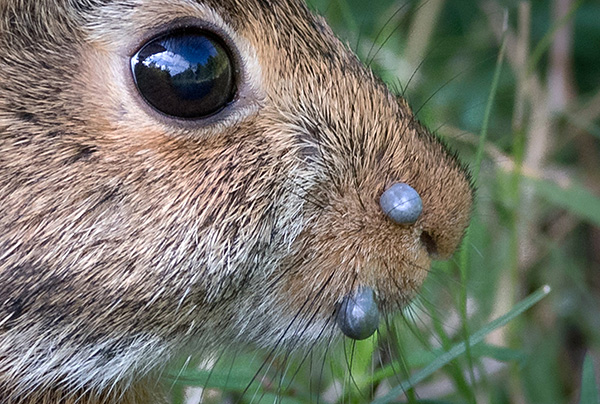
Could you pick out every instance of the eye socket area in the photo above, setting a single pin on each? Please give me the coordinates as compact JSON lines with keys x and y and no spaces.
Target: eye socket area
{"x":187,"y":73}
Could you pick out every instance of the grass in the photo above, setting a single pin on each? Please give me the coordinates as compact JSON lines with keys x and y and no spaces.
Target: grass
{"x":528,"y":125}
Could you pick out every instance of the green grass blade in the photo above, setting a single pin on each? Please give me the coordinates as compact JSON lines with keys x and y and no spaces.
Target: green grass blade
{"x":488,"y":110}
{"x":464,"y":254}
{"x":589,"y":388}
{"x":423,"y":358}
{"x":546,"y":41}
{"x":460,"y":348}
{"x":576,"y":199}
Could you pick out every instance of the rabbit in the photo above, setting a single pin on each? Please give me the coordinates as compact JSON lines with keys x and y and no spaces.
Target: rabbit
{"x":179,"y":175}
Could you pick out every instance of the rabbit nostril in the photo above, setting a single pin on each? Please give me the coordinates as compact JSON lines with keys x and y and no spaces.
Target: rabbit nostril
{"x":401,"y":203}
{"x":430,"y":244}
{"x":358,"y":315}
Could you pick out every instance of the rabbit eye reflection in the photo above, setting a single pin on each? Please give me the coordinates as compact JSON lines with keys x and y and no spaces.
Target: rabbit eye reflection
{"x":185,"y":74}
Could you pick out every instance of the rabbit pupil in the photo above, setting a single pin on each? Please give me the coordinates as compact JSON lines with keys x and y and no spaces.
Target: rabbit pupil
{"x":185,"y":74}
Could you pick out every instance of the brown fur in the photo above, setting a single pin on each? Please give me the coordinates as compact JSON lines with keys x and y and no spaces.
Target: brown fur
{"x":126,"y":236}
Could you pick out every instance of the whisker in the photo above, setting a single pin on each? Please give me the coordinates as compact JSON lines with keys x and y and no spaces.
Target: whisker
{"x":445,"y":84}
{"x":356,"y":48}
{"x":392,"y":331}
{"x":327,"y":347}
{"x":212,"y":369}
{"x":285,"y":332}
{"x":369,"y":59}
{"x":349,"y":364}
{"x":310,"y":349}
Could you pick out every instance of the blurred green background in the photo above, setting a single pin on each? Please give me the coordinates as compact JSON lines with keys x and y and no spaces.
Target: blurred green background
{"x":526,"y":117}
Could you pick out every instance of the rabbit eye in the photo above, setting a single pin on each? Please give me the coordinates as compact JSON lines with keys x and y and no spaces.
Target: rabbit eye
{"x":185,"y":74}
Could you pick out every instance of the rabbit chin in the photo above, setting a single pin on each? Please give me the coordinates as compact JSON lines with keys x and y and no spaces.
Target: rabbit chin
{"x":118,"y":362}
{"x":113,"y":364}
{"x":287,"y":332}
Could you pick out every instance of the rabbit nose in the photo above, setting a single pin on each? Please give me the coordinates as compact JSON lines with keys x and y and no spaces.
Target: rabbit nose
{"x":401,"y":203}
{"x":358,"y":315}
